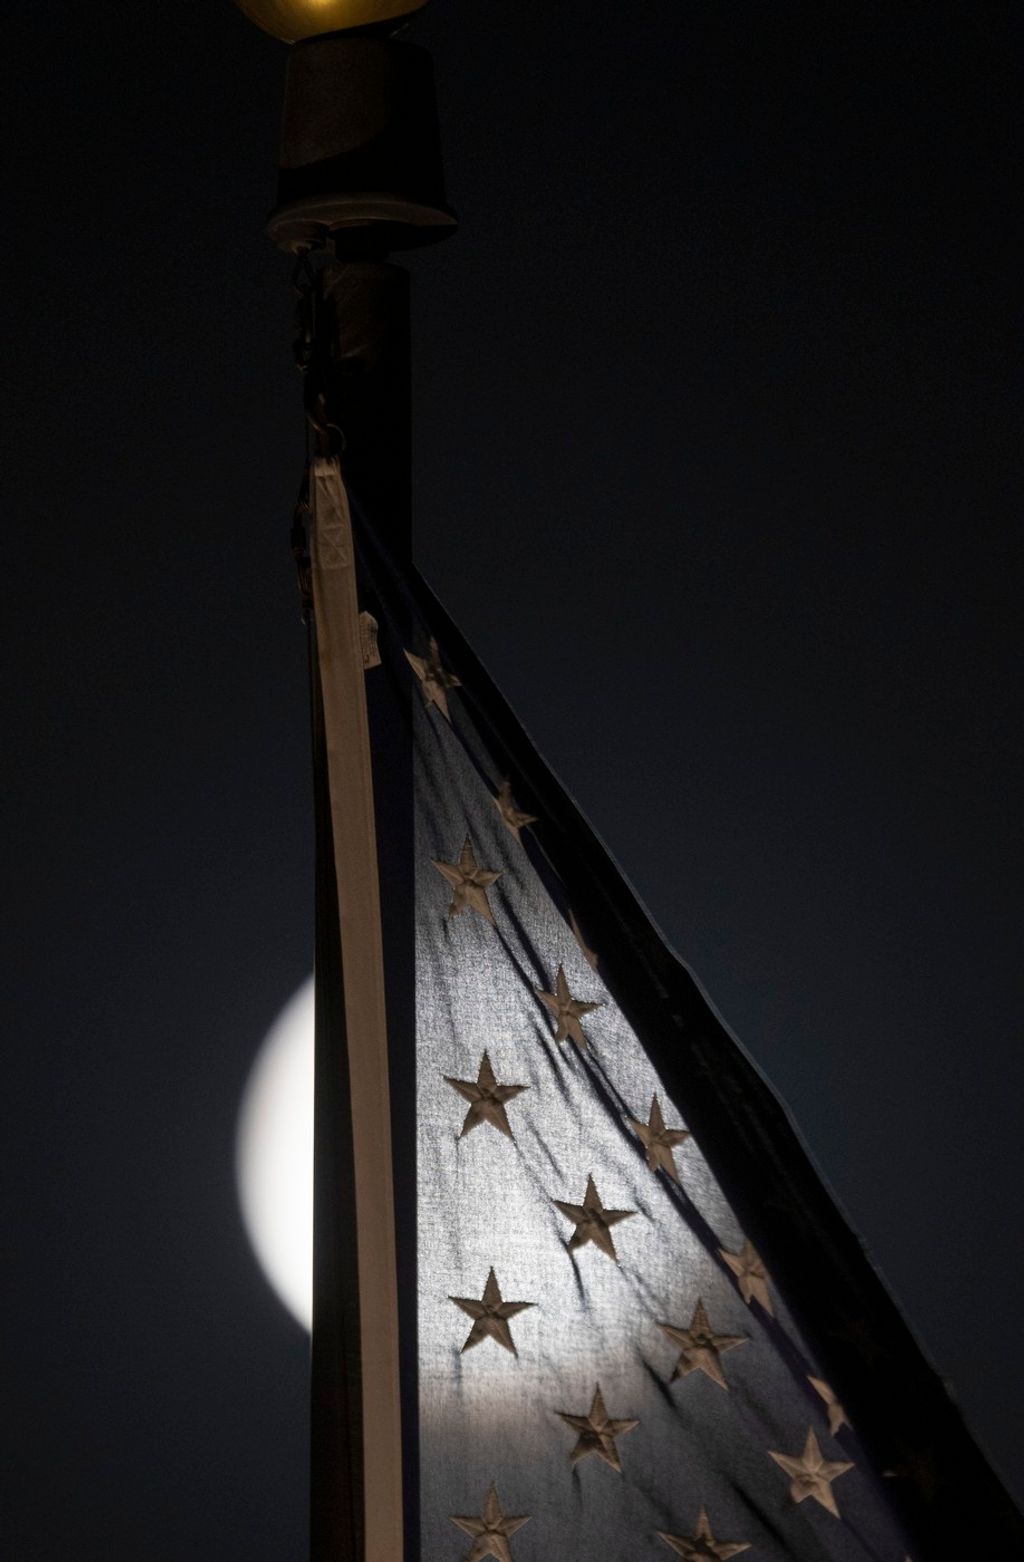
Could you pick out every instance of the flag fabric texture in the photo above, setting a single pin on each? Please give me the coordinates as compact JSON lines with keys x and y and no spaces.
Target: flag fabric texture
{"x":632,"y":1323}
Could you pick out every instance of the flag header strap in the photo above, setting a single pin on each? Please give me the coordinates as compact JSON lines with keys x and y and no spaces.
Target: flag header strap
{"x":339,"y":635}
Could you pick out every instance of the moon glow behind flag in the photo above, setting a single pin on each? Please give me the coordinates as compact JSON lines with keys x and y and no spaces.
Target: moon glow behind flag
{"x":274,"y":1155}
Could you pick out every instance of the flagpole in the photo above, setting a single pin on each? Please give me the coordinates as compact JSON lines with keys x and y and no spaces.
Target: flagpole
{"x":360,"y":176}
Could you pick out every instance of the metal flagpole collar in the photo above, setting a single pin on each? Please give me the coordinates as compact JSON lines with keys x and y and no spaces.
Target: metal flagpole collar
{"x":360,"y":164}
{"x":360,"y":168}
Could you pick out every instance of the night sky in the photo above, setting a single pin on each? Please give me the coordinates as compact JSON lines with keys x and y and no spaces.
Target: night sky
{"x":715,"y":464}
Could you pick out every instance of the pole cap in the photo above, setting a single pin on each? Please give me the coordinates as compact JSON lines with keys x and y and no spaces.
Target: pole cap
{"x":291,"y":20}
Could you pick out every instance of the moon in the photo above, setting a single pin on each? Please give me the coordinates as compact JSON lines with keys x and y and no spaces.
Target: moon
{"x":274,"y":1155}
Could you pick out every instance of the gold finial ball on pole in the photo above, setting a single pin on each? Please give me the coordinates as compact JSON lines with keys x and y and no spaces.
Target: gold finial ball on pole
{"x":295,"y":19}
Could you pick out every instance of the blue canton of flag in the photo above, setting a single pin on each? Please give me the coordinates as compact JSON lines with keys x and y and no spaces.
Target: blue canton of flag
{"x":629,"y":1321}
{"x":632,"y":1383}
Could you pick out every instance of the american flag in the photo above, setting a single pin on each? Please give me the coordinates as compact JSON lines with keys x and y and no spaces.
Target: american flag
{"x":632,"y":1322}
